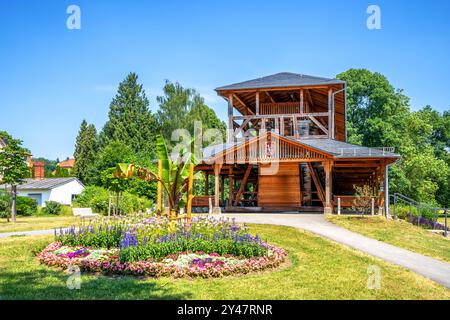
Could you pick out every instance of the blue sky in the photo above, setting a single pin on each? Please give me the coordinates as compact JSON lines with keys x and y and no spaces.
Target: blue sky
{"x":53,"y":77}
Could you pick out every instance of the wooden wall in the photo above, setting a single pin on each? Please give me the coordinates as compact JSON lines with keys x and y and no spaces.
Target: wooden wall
{"x":281,"y":190}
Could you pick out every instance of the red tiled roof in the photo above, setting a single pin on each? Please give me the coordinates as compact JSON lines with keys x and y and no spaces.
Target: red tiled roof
{"x":67,"y":163}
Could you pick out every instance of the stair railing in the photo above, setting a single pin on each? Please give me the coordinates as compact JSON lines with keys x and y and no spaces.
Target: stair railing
{"x":421,"y":207}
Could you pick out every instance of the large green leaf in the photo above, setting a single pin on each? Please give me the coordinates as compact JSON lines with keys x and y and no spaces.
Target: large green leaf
{"x":163,"y":155}
{"x":124,"y":170}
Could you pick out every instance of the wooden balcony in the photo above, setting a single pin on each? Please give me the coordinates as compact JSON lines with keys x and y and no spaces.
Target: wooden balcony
{"x":280,"y":108}
{"x":271,"y":148}
{"x":286,"y":122}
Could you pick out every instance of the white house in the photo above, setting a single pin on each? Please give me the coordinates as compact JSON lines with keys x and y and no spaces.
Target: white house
{"x":62,"y":190}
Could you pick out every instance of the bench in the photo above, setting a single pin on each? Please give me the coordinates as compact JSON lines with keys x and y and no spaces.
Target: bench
{"x":202,"y":201}
{"x":83,"y":212}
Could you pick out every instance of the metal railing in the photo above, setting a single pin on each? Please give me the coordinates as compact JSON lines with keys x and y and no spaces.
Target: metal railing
{"x":365,"y":151}
{"x":424,"y":211}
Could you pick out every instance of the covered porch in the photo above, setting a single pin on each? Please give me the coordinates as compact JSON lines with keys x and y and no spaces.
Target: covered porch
{"x":272,"y":173}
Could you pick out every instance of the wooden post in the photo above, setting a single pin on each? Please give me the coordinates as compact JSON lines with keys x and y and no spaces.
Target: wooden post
{"x":386,"y":190}
{"x":330,"y":124}
{"x":230,"y":118}
{"x":282,"y":126}
{"x":277,"y":125}
{"x":302,"y":108}
{"x":222,"y":188}
{"x":243,"y":183}
{"x":210,"y":206}
{"x":339,"y":206}
{"x":230,"y":187}
{"x":159,"y":195}
{"x":217,"y":168}
{"x":257,"y":103}
{"x":327,"y":168}
{"x":295,"y":125}
{"x":206,"y":184}
{"x":373,"y":206}
{"x":381,"y":188}
{"x":190,"y":195}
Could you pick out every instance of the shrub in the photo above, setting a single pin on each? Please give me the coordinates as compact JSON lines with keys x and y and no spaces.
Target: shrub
{"x":5,"y":204}
{"x":66,"y":210}
{"x":52,"y":207}
{"x":97,"y":198}
{"x":363,"y":199}
{"x":26,"y":206}
{"x":402,"y":212}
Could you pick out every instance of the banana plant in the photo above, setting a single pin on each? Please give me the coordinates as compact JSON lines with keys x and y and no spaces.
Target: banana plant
{"x":175,"y":173}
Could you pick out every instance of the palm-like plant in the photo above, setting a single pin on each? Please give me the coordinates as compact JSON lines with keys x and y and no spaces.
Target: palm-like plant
{"x":175,"y":173}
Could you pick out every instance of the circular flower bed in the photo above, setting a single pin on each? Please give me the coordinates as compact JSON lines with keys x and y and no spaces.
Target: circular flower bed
{"x":148,"y":247}
{"x":196,"y":264}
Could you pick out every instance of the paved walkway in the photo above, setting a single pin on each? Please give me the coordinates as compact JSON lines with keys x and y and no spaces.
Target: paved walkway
{"x":433,"y":269}
{"x":27,"y":233}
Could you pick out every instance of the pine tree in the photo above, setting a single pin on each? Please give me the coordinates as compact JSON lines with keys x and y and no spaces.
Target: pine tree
{"x":85,"y":150}
{"x":80,"y":139}
{"x":130,"y":120}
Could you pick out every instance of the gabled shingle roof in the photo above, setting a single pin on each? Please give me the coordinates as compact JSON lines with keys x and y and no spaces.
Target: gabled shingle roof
{"x":283,"y":79}
{"x":213,"y":150}
{"x":43,"y":184}
{"x":337,"y":149}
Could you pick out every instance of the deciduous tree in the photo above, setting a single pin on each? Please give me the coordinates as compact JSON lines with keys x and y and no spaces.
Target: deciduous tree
{"x":13,"y":166}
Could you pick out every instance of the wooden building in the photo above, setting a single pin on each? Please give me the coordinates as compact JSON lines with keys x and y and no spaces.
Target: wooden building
{"x":287,"y":149}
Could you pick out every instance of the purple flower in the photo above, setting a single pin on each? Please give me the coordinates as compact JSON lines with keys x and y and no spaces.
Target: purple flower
{"x":129,"y":239}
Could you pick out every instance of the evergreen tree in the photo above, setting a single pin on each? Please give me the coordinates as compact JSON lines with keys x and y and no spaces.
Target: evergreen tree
{"x":130,"y":120}
{"x":85,"y":150}
{"x":79,"y":142}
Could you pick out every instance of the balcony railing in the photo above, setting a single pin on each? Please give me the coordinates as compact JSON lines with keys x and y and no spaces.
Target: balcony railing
{"x":279,"y":108}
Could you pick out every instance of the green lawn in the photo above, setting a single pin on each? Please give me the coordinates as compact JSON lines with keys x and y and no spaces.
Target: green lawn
{"x":397,"y":232}
{"x":37,"y":223}
{"x":317,"y":269}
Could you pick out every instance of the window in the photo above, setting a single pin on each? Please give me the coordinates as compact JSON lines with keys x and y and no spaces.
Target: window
{"x":37,"y":197}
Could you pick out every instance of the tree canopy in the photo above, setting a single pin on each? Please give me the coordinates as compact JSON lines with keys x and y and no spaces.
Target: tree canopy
{"x":130,"y":120}
{"x":86,"y":147}
{"x":13,"y":166}
{"x":379,"y":115}
{"x":129,"y":135}
{"x":180,"y":108}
